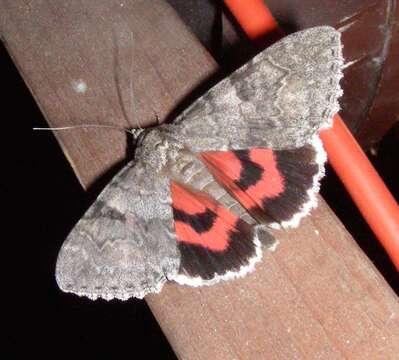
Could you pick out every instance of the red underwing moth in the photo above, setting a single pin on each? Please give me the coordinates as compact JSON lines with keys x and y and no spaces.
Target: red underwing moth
{"x":196,"y":203}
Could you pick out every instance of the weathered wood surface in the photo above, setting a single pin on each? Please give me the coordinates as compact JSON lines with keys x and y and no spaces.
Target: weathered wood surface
{"x":316,"y":297}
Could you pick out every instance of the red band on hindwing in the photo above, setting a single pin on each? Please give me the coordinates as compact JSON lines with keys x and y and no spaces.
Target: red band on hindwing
{"x":199,"y":220}
{"x":275,"y":186}
{"x":214,"y":244}
{"x":271,"y":183}
{"x":251,"y":175}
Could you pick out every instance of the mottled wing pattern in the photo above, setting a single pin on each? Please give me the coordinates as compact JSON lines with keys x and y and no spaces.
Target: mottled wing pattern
{"x":277,"y":187}
{"x":257,"y":130}
{"x":181,"y":212}
{"x":132,"y":239}
{"x":124,"y":246}
{"x":216,"y":238}
{"x":279,"y":99}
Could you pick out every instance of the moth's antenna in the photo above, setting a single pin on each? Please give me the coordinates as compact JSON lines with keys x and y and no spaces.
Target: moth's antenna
{"x":117,"y":74}
{"x":134,"y":132}
{"x":131,"y":83}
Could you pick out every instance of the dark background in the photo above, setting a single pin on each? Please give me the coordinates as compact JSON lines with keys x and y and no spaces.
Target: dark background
{"x":43,"y":200}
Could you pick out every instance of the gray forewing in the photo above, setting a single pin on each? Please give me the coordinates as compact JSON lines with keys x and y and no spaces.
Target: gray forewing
{"x":280,"y":99}
{"x":124,"y":246}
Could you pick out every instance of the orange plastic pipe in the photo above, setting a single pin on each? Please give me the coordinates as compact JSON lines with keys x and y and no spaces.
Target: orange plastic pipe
{"x":365,"y":186}
{"x":358,"y":175}
{"x":253,"y":16}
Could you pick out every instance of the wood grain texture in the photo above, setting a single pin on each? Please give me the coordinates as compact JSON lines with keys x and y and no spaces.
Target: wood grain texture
{"x":61,"y":44}
{"x":316,"y":297}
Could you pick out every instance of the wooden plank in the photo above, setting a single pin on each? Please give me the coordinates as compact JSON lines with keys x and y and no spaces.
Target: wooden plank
{"x":58,"y":46}
{"x":317,"y":296}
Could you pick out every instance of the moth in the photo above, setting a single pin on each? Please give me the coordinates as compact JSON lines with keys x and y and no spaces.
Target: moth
{"x":196,"y":204}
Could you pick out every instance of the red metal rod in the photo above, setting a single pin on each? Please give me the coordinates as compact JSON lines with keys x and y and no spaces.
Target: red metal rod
{"x":358,"y":175}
